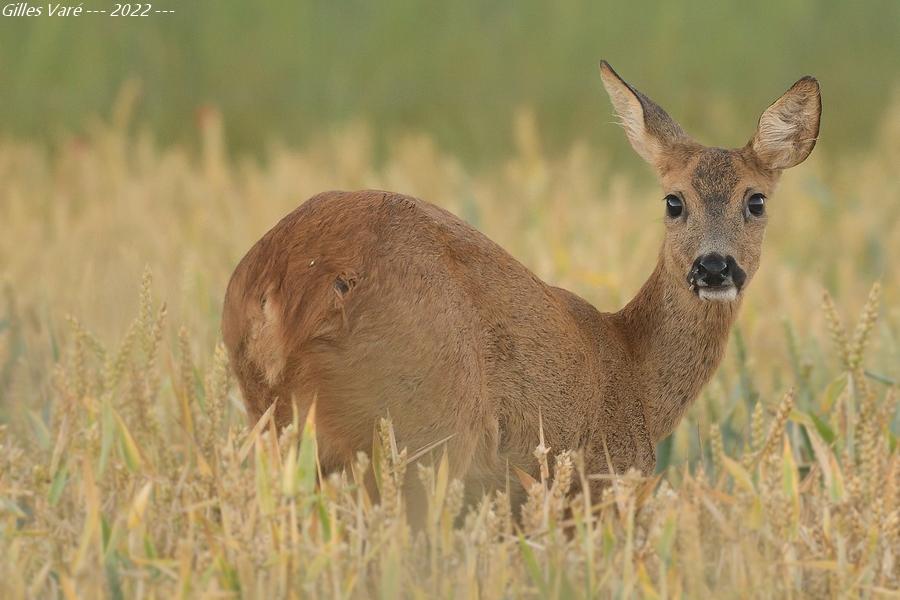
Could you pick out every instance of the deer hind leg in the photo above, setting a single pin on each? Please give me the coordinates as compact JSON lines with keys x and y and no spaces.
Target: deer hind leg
{"x":256,"y":392}
{"x":259,"y":395}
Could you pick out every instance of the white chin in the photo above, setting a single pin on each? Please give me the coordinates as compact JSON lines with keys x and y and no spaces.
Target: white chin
{"x":728,"y":294}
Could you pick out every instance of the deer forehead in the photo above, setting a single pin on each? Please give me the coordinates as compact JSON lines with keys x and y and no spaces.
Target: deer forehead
{"x":715,"y":175}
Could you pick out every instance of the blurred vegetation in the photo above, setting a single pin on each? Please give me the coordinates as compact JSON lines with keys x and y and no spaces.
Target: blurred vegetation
{"x":455,"y":70}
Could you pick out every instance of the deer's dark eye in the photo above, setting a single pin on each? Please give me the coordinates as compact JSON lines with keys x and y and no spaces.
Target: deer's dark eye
{"x":756,"y":205}
{"x":674,"y":206}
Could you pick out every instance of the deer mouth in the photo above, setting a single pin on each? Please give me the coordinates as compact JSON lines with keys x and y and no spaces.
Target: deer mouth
{"x":719,"y":293}
{"x":724,"y":291}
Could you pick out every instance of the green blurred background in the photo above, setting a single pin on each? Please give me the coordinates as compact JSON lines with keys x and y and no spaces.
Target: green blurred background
{"x":459,"y":71}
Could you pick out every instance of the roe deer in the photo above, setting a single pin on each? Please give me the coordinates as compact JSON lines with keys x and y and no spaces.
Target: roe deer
{"x":377,"y":304}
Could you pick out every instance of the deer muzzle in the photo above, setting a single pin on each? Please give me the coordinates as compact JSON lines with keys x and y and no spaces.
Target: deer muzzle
{"x":716,"y":277}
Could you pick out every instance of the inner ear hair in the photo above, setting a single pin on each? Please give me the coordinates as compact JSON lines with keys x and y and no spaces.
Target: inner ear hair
{"x":788,"y":129}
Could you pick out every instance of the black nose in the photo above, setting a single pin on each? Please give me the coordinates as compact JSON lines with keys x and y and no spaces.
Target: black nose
{"x":712,"y":269}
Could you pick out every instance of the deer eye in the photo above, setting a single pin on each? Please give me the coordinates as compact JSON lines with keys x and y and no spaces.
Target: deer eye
{"x":756,"y":205}
{"x":674,"y":206}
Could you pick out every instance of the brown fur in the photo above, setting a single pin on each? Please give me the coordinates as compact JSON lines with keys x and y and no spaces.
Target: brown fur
{"x":380,"y":304}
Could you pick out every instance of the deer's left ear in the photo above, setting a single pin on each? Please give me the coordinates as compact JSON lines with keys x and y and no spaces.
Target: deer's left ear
{"x":788,"y":129}
{"x":650,"y":130}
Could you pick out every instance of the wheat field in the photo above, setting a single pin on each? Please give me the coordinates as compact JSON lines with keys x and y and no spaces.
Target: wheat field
{"x":127,"y":468}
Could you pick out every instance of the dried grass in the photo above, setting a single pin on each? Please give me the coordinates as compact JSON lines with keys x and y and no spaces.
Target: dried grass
{"x":126,"y":468}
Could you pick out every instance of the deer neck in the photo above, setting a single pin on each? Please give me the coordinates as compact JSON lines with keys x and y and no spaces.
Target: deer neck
{"x":676,"y":342}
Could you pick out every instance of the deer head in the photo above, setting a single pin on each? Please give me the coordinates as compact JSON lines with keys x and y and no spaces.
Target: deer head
{"x":715,"y":199}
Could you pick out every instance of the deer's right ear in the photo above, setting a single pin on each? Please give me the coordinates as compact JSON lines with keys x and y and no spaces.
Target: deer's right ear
{"x":650,"y":130}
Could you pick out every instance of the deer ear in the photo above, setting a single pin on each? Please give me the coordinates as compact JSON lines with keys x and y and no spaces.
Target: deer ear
{"x":650,"y":130}
{"x":788,"y":129}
